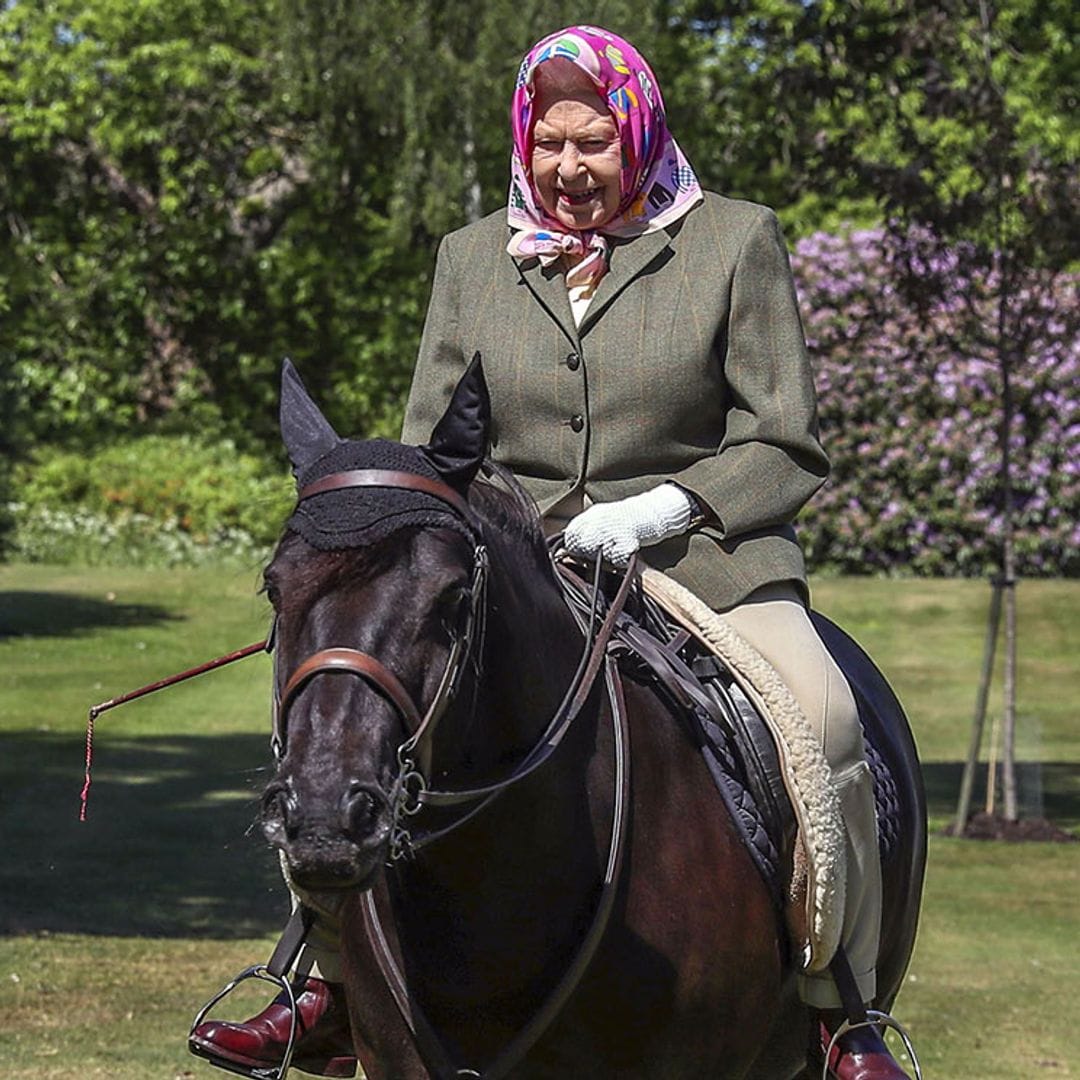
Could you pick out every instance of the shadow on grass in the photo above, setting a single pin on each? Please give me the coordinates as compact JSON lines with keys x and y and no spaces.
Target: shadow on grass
{"x":168,"y":849}
{"x":1049,"y":789}
{"x":59,"y":614}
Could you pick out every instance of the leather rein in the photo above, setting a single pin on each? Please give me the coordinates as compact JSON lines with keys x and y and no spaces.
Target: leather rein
{"x":411,"y":793}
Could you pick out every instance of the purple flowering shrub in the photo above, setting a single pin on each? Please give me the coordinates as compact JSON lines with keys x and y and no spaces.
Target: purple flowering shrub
{"x":910,"y":408}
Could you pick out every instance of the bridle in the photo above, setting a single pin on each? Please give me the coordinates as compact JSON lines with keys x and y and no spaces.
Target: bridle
{"x":410,"y":791}
{"x":410,"y":787}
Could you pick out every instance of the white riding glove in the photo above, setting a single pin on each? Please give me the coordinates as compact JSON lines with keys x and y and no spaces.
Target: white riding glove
{"x":615,"y":530}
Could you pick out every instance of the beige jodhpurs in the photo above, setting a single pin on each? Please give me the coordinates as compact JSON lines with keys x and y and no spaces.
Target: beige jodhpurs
{"x":774,"y":621}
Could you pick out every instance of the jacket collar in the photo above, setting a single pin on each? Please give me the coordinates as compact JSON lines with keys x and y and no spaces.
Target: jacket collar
{"x":628,"y":259}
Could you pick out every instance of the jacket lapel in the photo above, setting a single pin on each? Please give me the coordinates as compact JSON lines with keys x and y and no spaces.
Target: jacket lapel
{"x":548,"y":286}
{"x":628,"y":259}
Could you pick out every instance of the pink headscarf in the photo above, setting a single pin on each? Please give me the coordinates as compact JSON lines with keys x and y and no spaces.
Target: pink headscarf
{"x":657,"y":185}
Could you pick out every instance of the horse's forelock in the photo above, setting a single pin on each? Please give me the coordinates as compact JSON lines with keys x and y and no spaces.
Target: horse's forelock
{"x":311,"y":571}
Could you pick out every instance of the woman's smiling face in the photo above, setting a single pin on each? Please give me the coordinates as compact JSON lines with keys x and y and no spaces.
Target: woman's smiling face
{"x":577,"y":156}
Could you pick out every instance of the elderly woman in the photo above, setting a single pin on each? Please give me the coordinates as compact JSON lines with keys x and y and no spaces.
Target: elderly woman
{"x":650,"y":389}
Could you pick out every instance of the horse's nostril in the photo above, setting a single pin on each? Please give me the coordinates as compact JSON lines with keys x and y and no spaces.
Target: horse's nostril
{"x":362,"y":805}
{"x":281,"y":808}
{"x":275,"y":803}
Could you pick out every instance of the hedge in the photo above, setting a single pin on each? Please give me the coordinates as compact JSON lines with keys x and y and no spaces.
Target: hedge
{"x":158,"y":501}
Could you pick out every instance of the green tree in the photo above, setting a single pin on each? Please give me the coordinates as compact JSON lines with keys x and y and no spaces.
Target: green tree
{"x":137,"y":137}
{"x":836,"y":112}
{"x":957,"y":124}
{"x":974,"y":156}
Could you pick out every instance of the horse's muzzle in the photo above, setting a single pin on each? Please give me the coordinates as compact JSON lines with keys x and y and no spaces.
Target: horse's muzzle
{"x":329,"y":843}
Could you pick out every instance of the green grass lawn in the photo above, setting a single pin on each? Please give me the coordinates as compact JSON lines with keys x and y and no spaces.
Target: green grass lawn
{"x":113,"y":932}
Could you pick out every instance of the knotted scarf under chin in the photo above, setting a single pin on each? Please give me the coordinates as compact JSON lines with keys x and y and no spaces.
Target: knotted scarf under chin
{"x":549,"y":245}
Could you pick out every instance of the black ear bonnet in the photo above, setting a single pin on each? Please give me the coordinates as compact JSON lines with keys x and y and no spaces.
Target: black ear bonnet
{"x":357,"y":517}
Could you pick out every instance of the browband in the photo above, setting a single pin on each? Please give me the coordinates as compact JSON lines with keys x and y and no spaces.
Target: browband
{"x":389,"y":478}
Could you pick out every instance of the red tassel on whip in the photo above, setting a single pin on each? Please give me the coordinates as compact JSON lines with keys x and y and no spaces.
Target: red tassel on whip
{"x":131,"y":695}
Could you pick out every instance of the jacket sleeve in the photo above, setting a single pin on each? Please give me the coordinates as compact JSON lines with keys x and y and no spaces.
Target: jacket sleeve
{"x":768,"y":461}
{"x":440,"y":362}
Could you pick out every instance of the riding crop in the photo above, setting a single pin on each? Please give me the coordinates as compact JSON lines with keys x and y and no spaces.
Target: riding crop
{"x":265,"y":645}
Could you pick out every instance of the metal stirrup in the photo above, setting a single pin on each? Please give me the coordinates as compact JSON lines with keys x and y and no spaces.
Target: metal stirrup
{"x":878,"y":1019}
{"x":272,"y":1072}
{"x":274,"y":971}
{"x":858,"y":1015}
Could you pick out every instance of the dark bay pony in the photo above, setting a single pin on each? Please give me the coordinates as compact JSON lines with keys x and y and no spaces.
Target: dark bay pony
{"x":597,"y":915}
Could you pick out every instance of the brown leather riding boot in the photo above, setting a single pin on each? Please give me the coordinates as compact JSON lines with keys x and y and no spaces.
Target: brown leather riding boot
{"x":860,"y":1054}
{"x":323,"y":1040}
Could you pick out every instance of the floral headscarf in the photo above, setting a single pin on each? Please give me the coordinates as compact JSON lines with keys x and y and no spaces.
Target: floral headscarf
{"x":657,"y":184}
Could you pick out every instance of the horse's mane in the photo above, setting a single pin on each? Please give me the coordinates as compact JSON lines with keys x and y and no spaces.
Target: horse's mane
{"x":504,"y":504}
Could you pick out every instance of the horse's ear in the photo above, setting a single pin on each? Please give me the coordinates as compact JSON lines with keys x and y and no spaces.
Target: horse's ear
{"x":460,"y":439}
{"x":307,"y":434}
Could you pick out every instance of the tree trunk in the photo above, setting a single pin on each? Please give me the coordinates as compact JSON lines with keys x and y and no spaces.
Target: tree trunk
{"x":1008,"y":558}
{"x":1008,"y":749}
{"x":967,"y":783}
{"x":474,"y":210}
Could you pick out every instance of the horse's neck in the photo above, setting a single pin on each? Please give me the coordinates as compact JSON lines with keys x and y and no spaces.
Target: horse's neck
{"x":525,"y":653}
{"x":532,"y":649}
{"x":471,"y":895}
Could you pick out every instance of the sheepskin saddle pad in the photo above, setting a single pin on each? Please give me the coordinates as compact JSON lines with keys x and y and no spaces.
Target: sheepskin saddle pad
{"x":814,"y":902}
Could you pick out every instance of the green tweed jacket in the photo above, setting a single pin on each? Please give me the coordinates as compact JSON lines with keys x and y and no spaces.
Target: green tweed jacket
{"x":689,"y":365}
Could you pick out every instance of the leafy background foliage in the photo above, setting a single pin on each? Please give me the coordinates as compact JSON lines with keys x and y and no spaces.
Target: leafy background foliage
{"x":192,"y":190}
{"x":910,"y":415}
{"x":158,"y":500}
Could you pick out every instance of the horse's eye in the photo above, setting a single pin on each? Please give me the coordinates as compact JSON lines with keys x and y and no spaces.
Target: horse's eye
{"x":272,"y":593}
{"x":453,"y":608}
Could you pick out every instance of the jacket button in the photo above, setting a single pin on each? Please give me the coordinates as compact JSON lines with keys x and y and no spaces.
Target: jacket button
{"x":577,"y":422}
{"x":573,"y":361}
